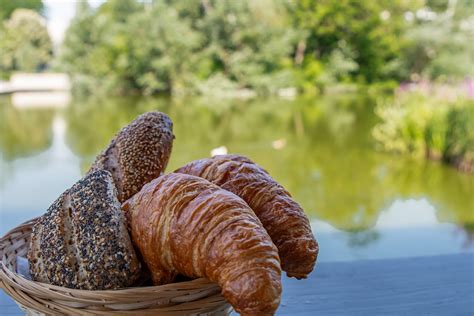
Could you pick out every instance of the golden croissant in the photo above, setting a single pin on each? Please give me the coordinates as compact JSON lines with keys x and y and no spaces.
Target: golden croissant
{"x":185,"y":225}
{"x":281,"y":216}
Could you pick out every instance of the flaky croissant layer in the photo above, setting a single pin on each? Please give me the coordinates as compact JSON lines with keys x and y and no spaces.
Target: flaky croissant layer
{"x":183,"y":224}
{"x":282,"y":217}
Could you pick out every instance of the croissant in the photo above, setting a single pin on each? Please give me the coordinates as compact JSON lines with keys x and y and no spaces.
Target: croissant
{"x":281,"y":216}
{"x":138,"y":153}
{"x":185,"y":225}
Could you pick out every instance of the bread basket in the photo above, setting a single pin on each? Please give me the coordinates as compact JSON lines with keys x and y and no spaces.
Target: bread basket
{"x":196,"y":297}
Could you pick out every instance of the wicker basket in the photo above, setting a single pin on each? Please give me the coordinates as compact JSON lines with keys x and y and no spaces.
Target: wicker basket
{"x":197,"y":297}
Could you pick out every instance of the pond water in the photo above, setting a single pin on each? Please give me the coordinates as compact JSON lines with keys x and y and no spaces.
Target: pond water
{"x":362,"y":204}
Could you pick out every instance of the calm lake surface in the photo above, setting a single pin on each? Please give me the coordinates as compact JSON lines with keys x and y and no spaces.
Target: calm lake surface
{"x":362,"y":204}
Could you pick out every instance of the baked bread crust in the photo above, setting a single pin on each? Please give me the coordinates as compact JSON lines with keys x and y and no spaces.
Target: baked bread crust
{"x":282,"y":217}
{"x":138,"y":153}
{"x":82,"y":241}
{"x":186,"y":225}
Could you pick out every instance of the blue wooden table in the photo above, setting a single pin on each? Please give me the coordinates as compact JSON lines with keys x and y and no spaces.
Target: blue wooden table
{"x":440,"y":285}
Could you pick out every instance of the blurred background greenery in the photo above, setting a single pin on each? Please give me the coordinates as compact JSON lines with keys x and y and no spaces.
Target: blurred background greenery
{"x":180,"y":46}
{"x":360,"y":108}
{"x":271,"y":47}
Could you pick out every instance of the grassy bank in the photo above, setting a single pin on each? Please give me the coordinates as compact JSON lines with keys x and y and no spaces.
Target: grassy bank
{"x":428,"y":126}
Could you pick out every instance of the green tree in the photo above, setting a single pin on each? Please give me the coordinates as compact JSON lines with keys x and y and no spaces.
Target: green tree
{"x":247,"y":42}
{"x":81,"y":39}
{"x":174,"y":46}
{"x":363,"y":35}
{"x":25,"y":45}
{"x":209,"y":46}
{"x":165,"y":52}
{"x":439,"y":43}
{"x":8,"y":6}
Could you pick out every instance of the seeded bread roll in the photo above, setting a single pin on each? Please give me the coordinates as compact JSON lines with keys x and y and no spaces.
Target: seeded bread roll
{"x":138,"y":153}
{"x":82,"y":241}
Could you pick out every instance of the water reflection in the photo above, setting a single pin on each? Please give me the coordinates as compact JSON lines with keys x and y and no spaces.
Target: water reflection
{"x":24,"y":132}
{"x":321,"y":150}
{"x":31,"y":184}
{"x":49,"y":99}
{"x":399,"y":232}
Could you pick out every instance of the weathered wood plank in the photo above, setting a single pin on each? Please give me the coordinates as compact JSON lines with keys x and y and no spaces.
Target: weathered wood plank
{"x":440,"y":285}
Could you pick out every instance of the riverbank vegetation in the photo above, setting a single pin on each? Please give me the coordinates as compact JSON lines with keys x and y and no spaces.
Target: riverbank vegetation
{"x":425,"y":123}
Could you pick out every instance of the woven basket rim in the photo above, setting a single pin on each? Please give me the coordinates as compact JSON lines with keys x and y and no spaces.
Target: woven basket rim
{"x":168,"y":297}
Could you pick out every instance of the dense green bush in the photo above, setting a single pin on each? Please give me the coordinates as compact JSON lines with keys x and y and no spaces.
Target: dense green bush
{"x":428,"y":126}
{"x":459,"y":147}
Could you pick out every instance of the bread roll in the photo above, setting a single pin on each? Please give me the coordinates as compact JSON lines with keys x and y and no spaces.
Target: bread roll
{"x":281,"y":216}
{"x":138,"y":153}
{"x":82,"y":241}
{"x":186,"y":225}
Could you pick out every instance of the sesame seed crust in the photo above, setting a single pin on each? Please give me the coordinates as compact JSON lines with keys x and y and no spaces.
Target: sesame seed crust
{"x":138,"y":153}
{"x":82,"y":241}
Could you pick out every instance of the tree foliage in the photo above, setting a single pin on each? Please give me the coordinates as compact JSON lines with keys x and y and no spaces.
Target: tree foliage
{"x":169,"y":47}
{"x":25,"y":44}
{"x":8,"y":6}
{"x":364,"y":34}
{"x":208,"y":45}
{"x":439,"y":43}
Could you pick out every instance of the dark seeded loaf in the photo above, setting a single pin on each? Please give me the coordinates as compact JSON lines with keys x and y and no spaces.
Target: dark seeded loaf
{"x":138,"y":153}
{"x":82,"y":242}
